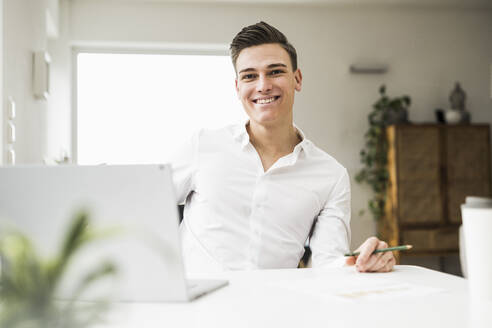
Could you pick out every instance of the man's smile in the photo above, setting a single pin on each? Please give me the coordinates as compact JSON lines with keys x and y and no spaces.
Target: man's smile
{"x":262,"y":101}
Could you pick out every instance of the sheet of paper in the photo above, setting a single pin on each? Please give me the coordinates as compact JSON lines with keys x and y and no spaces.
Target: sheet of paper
{"x":358,"y":290}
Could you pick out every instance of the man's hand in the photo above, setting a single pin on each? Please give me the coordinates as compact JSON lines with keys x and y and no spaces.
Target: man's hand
{"x":368,"y":262}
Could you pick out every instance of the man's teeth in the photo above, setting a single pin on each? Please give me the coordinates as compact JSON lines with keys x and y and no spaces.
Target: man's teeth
{"x":265,"y":101}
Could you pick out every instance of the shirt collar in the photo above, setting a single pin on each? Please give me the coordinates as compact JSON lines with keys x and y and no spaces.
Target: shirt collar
{"x":241,"y":135}
{"x":304,"y":144}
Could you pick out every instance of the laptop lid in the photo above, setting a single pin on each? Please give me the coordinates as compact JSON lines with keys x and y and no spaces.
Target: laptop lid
{"x":138,"y":201}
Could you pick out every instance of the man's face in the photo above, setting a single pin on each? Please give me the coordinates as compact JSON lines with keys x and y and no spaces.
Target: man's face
{"x":266,"y":84}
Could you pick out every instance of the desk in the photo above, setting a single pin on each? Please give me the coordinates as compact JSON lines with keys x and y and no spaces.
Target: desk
{"x":255,"y":299}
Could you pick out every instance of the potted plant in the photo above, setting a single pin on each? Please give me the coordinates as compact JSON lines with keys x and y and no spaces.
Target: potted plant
{"x":374,"y":155}
{"x":28,"y":283}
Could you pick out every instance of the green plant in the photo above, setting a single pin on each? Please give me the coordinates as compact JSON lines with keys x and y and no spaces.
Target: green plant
{"x":374,"y":155}
{"x":28,"y":283}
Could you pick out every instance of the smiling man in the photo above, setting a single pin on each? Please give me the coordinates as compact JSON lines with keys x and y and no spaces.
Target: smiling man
{"x":255,"y":192}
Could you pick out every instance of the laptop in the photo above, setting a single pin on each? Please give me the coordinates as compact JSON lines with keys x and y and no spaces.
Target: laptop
{"x":135,"y":203}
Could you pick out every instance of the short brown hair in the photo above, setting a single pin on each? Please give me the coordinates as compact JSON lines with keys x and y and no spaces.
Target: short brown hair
{"x":258,"y":34}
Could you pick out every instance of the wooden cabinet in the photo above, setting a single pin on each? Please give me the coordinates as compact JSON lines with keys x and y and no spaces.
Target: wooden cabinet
{"x":432,"y":169}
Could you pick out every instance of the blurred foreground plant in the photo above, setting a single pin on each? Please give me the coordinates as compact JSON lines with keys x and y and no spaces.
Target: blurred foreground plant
{"x":28,"y":283}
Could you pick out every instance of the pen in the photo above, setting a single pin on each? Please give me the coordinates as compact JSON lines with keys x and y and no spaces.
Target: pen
{"x":381,"y":250}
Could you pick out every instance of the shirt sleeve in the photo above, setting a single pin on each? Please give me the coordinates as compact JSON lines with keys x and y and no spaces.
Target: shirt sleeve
{"x":331,"y":236}
{"x":183,"y":165}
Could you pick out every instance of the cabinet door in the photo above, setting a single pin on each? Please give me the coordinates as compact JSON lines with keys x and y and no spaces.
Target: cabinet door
{"x":432,"y":240}
{"x":468,"y":166}
{"x":419,"y":175}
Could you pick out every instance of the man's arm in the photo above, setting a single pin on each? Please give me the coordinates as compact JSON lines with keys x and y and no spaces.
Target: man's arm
{"x":331,"y":234}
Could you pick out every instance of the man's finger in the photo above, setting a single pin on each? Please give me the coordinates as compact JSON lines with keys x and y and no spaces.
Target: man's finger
{"x":366,"y":250}
{"x":389,"y":266}
{"x":367,"y":260}
{"x":370,"y":263}
{"x":381,"y":262}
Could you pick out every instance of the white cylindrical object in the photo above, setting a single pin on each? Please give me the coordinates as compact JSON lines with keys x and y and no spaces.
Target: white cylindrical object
{"x":453,"y":116}
{"x":477,"y":230}
{"x":461,"y":239}
{"x":476,"y":201}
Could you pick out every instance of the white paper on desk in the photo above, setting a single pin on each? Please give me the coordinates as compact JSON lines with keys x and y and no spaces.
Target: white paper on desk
{"x":358,"y":291}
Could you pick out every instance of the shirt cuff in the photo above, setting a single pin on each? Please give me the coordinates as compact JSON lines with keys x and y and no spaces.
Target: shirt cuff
{"x":336,"y":262}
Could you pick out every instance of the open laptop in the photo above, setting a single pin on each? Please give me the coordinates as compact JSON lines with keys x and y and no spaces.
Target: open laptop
{"x":136,"y":202}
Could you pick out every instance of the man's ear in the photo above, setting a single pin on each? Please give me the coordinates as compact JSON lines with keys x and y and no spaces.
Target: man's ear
{"x":298,"y":78}
{"x":237,"y":89}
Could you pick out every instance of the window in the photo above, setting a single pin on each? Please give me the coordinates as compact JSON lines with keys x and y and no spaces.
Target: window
{"x":139,"y":108}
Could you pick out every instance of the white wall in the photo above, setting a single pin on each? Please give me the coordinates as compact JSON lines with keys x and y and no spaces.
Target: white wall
{"x":2,"y":111}
{"x":426,"y":49}
{"x":59,"y":111}
{"x":24,"y":32}
{"x":42,"y":126}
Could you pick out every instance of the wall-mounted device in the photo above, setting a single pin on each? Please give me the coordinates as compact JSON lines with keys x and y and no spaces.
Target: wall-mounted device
{"x":41,"y":74}
{"x":11,"y":109}
{"x":10,"y":132}
{"x":11,"y":156}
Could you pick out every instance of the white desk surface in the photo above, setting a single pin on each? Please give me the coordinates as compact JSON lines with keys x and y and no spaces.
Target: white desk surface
{"x":265,"y":299}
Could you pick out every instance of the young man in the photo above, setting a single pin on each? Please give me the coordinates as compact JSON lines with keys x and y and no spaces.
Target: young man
{"x":253,"y":192}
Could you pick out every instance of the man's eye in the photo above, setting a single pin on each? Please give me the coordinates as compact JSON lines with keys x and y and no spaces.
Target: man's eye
{"x":248,"y":76}
{"x":276,"y":72}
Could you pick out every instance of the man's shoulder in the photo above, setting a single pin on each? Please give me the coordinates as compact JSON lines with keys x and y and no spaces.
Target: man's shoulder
{"x":321,"y":157}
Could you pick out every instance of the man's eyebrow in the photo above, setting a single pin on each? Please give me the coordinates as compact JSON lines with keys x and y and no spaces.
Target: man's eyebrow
{"x":269,"y":66}
{"x":247,"y":70}
{"x":276,"y":65}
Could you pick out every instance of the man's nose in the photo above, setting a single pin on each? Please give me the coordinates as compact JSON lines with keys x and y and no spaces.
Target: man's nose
{"x":263,"y":84}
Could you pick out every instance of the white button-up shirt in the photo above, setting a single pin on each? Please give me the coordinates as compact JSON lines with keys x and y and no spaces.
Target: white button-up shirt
{"x":237,"y":216}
